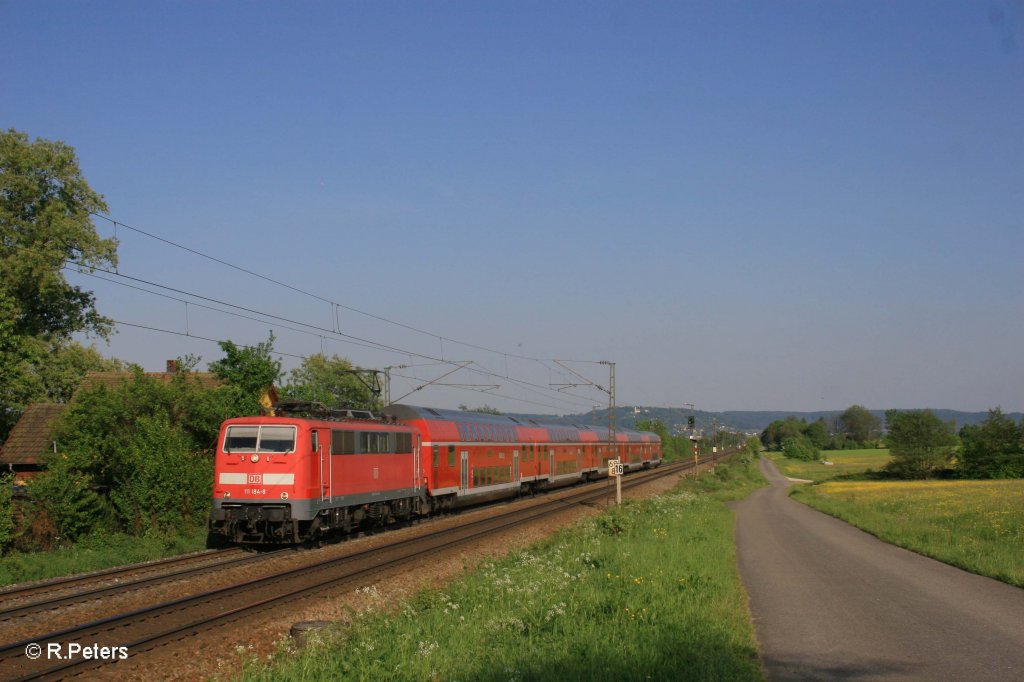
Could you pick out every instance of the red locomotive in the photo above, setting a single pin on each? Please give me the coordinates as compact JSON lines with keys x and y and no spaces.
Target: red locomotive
{"x":289,"y":479}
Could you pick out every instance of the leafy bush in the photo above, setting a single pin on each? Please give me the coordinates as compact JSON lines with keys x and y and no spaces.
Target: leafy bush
{"x":800,"y":447}
{"x":136,"y":458}
{"x":70,"y":501}
{"x":6,"y":511}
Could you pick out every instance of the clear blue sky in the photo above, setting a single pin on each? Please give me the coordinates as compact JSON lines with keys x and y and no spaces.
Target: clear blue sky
{"x":745,"y":205}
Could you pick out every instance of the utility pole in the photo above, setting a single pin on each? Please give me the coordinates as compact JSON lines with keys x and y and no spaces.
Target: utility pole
{"x":387,"y":382}
{"x":612,"y":443}
{"x":714,"y":434}
{"x":611,"y":405}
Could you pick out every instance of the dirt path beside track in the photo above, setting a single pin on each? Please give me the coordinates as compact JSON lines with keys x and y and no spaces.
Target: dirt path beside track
{"x":831,"y":602}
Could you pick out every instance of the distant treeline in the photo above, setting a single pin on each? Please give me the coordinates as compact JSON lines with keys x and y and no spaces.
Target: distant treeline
{"x":739,"y":420}
{"x":758,"y":421}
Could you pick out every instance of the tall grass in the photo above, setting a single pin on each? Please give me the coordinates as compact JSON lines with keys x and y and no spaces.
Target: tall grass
{"x":976,"y":525}
{"x":646,"y":591}
{"x":843,"y":463}
{"x":94,"y":553}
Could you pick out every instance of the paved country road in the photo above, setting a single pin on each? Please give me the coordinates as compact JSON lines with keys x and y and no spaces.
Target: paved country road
{"x":831,"y":602}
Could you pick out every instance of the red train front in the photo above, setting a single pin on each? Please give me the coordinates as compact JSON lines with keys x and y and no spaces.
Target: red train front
{"x":289,"y":479}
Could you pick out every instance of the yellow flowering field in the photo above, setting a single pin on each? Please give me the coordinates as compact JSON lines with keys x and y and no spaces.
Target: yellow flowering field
{"x":976,"y":525}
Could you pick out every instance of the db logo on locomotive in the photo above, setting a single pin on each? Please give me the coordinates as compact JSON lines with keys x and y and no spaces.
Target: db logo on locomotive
{"x":255,"y":479}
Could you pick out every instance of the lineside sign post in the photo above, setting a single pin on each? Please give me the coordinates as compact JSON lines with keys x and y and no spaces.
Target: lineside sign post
{"x":615,"y":470}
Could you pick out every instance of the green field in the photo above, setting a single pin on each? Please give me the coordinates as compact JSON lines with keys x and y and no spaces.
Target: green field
{"x":976,"y":525}
{"x":844,"y":463}
{"x":647,"y":591}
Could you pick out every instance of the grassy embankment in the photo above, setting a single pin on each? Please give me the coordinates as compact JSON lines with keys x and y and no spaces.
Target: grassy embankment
{"x":647,"y":591}
{"x":94,"y":553}
{"x":976,"y":525}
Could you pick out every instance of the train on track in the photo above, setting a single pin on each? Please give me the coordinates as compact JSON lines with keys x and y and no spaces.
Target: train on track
{"x":309,"y":472}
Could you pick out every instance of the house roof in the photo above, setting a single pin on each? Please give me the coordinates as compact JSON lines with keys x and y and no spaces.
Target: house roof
{"x":115,"y":379}
{"x":32,"y":436}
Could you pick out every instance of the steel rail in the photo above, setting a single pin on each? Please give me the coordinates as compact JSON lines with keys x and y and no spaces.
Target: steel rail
{"x":27,"y":590}
{"x":117,"y":588}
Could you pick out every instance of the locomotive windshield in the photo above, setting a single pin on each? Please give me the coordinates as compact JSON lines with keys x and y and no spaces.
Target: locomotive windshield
{"x":260,"y":439}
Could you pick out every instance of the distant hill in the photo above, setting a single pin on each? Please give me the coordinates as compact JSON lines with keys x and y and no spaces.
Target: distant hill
{"x":736,"y":420}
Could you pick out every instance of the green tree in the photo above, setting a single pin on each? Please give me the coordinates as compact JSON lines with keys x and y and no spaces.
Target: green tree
{"x":45,"y":223}
{"x":858,"y":423}
{"x":993,"y":449}
{"x":333,"y":381}
{"x":37,"y":369}
{"x":672,"y":447}
{"x":817,"y":433}
{"x":921,"y":444}
{"x":779,"y":430}
{"x":654,"y":426}
{"x":249,"y":371}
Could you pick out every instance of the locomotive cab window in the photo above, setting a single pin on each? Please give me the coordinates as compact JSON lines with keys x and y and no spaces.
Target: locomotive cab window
{"x":276,"y":439}
{"x":273,"y":439}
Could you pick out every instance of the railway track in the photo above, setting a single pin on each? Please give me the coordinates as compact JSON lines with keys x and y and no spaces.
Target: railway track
{"x":30,"y":589}
{"x":118,"y":581}
{"x":144,"y":629}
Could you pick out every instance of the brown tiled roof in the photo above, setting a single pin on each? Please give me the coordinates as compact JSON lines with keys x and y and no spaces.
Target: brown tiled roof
{"x":31,"y":436}
{"x":115,"y":379}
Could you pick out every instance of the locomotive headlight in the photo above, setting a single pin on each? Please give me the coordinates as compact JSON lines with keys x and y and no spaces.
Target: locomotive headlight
{"x":284,"y":496}
{"x":254,"y":458}
{"x":226,"y":494}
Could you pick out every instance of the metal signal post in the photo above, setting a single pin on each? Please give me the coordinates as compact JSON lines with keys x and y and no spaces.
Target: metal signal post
{"x":615,"y":471}
{"x":613,"y":445}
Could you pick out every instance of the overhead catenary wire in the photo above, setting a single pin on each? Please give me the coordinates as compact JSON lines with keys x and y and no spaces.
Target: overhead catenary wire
{"x":299,"y":290}
{"x":89,"y":270}
{"x":303,"y":357}
{"x":335,"y":306}
{"x":346,"y":338}
{"x":336,"y":323}
{"x":524,"y":385}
